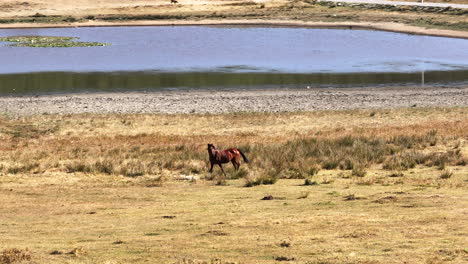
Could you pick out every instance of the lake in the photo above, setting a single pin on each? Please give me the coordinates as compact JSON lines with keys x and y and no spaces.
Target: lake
{"x":209,"y":57}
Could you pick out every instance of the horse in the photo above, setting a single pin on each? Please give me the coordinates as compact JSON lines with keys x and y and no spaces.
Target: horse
{"x":174,"y":2}
{"x":224,"y":156}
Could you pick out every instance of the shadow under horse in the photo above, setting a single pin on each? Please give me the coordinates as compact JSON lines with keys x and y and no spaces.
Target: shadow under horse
{"x":224,"y":156}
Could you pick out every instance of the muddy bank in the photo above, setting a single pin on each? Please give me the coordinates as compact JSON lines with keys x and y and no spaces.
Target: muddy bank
{"x":228,"y":101}
{"x":384,"y":26}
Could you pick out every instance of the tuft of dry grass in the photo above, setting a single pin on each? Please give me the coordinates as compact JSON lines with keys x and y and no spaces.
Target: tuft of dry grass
{"x":446,"y":174}
{"x":12,"y":255}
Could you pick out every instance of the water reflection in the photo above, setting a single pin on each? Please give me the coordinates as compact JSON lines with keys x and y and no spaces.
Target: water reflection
{"x":72,"y":82}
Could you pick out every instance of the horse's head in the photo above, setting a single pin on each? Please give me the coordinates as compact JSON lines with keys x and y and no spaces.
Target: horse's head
{"x":211,"y":146}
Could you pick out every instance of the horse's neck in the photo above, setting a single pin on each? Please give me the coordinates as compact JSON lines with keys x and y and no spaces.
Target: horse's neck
{"x":212,"y":152}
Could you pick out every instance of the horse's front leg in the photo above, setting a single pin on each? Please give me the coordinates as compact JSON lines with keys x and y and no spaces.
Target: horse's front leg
{"x":211,"y":169}
{"x":222,"y":169}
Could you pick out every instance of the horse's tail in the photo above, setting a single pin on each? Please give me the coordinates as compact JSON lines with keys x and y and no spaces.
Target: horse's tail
{"x":243,"y":156}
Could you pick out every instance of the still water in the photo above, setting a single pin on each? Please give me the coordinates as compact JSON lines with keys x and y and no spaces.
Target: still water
{"x":145,"y":58}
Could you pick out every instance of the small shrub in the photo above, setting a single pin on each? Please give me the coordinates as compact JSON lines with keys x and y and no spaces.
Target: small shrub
{"x":293,"y":173}
{"x":304,"y":195}
{"x":12,"y":255}
{"x":330,"y":164}
{"x":23,"y":168}
{"x":359,"y":172}
{"x":269,"y":180}
{"x":221,"y":181}
{"x":440,"y":161}
{"x":353,"y":197}
{"x":397,"y":174}
{"x":327,"y":181}
{"x":400,"y":162}
{"x":347,"y":164}
{"x":283,"y":258}
{"x":244,"y":3}
{"x":431,"y":137}
{"x":313,"y":170}
{"x":155,"y":182}
{"x":70,"y":19}
{"x":38,"y":15}
{"x":195,"y":170}
{"x":285,"y":244}
{"x":132,"y":168}
{"x":152,"y":234}
{"x":446,"y":174}
{"x":104,"y":166}
{"x":77,"y":252}
{"x":309,"y":182}
{"x":241,"y":173}
{"x":366,"y":181}
{"x":259,"y":180}
{"x":267,"y":198}
{"x":461,"y":162}
{"x":77,"y":166}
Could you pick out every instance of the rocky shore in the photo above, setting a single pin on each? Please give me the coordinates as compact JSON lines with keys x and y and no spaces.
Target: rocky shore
{"x":230,"y":101}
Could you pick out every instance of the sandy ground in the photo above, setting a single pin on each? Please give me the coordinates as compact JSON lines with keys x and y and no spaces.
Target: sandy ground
{"x":229,"y":101}
{"x":385,"y":26}
{"x":81,"y":8}
{"x":9,"y":8}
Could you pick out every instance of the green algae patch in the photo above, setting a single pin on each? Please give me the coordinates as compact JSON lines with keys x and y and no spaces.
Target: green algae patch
{"x":49,"y":42}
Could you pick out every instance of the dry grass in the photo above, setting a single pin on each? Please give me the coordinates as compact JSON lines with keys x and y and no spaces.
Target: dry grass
{"x":12,"y":255}
{"x":386,"y":187}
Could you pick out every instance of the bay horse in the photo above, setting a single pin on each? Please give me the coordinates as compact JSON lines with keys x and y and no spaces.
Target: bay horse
{"x":224,"y":156}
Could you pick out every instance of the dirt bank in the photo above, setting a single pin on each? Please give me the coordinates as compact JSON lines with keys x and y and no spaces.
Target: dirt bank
{"x":226,"y":101}
{"x":448,"y":22}
{"x":386,"y":26}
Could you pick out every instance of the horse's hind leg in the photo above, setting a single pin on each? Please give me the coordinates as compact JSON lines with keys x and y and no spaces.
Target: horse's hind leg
{"x":235,"y":164}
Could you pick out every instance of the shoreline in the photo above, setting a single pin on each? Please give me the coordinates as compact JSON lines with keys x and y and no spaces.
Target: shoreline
{"x":235,"y":101}
{"x":385,"y":26}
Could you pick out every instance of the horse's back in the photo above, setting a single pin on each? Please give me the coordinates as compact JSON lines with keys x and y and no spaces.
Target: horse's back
{"x":225,"y":156}
{"x":233,"y":151}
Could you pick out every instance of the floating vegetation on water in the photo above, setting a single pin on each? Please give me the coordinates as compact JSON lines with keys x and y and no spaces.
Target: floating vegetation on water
{"x":60,"y":44}
{"x":35,"y":39}
{"x":48,"y":42}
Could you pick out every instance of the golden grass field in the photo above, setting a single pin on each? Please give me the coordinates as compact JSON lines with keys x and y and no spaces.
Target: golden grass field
{"x":355,"y":186}
{"x":384,"y":186}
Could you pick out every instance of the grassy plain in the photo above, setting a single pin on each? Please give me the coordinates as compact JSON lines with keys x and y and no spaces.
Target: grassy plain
{"x":384,"y":186}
